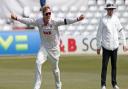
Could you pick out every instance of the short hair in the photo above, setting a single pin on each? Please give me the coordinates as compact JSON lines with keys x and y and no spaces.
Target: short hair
{"x":44,"y":8}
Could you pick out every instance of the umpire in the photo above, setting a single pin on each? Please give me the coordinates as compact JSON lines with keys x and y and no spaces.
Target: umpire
{"x":107,"y":39}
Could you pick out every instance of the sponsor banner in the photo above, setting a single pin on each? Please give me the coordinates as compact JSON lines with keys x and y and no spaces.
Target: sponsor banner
{"x":78,"y":45}
{"x":81,"y":45}
{"x":28,"y":43}
{"x":19,"y":42}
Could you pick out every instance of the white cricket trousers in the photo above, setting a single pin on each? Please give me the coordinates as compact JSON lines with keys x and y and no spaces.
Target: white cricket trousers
{"x":54,"y":60}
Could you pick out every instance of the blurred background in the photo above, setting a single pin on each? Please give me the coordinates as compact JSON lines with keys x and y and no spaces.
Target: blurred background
{"x":78,"y":38}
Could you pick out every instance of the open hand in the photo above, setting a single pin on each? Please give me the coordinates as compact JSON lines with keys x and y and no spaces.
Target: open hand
{"x":81,"y":17}
{"x":13,"y":16}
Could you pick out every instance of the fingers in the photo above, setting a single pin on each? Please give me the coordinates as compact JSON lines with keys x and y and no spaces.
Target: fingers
{"x":13,"y":16}
{"x":98,"y":51}
{"x":81,"y":17}
{"x":125,"y":48}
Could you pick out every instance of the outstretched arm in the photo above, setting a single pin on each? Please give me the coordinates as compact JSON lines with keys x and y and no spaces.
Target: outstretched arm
{"x":23,"y":20}
{"x":70,"y":21}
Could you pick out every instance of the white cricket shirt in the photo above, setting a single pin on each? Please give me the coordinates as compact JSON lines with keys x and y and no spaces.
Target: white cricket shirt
{"x":50,"y":33}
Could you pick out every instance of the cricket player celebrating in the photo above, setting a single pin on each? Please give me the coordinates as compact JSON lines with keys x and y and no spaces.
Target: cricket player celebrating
{"x":48,"y":29}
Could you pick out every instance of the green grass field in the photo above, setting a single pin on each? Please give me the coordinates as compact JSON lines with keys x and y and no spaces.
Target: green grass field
{"x":77,"y":72}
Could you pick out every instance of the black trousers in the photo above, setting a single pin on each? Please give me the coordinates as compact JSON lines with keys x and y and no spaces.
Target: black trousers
{"x":105,"y":59}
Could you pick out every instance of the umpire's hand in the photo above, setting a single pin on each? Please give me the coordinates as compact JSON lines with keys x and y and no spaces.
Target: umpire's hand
{"x":125,"y":48}
{"x":98,"y":51}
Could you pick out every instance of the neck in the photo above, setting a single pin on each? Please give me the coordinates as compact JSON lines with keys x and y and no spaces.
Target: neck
{"x":45,"y":21}
{"x":110,"y":15}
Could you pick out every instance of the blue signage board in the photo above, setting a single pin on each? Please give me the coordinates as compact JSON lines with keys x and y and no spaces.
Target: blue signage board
{"x":19,"y":42}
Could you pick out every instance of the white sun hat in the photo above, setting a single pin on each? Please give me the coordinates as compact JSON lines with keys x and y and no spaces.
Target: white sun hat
{"x":110,"y":6}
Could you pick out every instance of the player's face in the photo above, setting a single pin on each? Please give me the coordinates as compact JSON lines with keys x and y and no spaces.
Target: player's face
{"x":110,"y":12}
{"x":47,"y":14}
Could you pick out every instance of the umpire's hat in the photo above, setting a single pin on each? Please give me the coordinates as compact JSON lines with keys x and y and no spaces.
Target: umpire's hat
{"x":110,"y":6}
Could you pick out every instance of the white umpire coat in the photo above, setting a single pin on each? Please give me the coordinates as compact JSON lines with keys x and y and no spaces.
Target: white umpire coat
{"x":108,"y":33}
